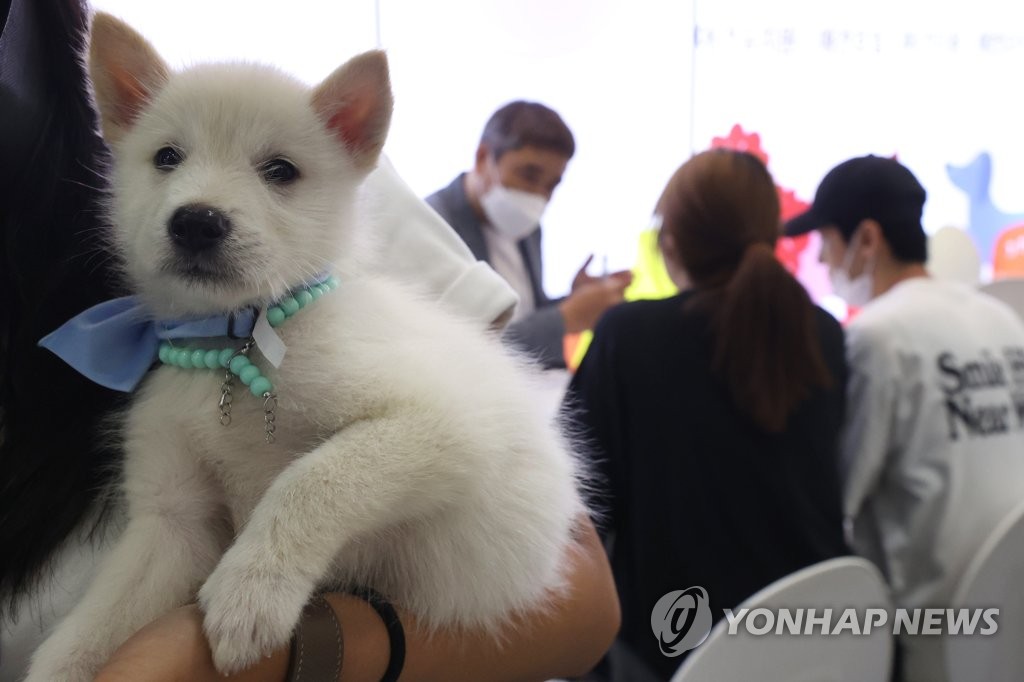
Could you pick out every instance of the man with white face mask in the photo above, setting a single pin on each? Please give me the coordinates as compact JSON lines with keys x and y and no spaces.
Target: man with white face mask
{"x":496,"y":208}
{"x":932,"y":455}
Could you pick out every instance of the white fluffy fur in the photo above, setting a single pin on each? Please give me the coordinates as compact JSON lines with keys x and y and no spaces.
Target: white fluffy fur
{"x":411,"y":454}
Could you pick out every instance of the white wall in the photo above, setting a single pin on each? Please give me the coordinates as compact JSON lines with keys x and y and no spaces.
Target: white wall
{"x":911,"y":78}
{"x":927,"y":80}
{"x":616,"y":71}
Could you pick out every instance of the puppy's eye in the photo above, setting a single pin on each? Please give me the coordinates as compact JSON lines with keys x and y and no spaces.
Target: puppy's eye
{"x":167,"y":158}
{"x":279,"y":171}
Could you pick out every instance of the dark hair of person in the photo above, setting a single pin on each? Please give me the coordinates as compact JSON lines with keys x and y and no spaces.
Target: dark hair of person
{"x":908,"y":242}
{"x":520,"y":124}
{"x":721,"y":209}
{"x":55,"y":461}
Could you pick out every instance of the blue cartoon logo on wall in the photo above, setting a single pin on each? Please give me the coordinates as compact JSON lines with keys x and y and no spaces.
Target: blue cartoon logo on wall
{"x":998,"y":235}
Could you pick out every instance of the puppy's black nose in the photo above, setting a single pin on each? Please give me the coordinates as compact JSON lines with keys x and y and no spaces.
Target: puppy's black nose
{"x":197,"y":228}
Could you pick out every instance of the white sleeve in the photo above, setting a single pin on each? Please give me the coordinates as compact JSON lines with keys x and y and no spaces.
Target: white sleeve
{"x":419,"y":247}
{"x":868,"y":433}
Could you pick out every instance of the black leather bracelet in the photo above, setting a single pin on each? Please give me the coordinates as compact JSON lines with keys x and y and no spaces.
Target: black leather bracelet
{"x":318,"y":647}
{"x":396,"y":634}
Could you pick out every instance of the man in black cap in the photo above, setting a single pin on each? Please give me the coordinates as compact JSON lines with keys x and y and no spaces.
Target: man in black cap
{"x":868,"y":211}
{"x":933,"y":447}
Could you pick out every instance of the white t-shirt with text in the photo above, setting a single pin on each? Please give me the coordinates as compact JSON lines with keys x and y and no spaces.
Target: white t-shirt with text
{"x":933,"y":449}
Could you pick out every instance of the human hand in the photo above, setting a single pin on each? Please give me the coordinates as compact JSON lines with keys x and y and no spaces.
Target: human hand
{"x":584,"y":306}
{"x":582,"y":279}
{"x":173,"y":648}
{"x":565,"y":639}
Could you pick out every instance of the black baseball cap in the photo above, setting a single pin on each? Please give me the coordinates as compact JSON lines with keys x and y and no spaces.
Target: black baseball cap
{"x":868,"y":187}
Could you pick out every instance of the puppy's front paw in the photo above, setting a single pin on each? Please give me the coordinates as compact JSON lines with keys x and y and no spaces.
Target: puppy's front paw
{"x":250,"y":610}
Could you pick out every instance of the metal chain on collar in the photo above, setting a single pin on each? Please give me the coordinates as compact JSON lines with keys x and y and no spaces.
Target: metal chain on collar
{"x":229,"y":380}
{"x":270,"y":415}
{"x":225,"y":399}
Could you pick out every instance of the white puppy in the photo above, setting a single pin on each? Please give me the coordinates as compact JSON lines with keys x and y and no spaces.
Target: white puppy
{"x":410,"y":454}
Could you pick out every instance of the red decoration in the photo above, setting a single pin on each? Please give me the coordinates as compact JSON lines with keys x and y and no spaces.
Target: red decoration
{"x":742,"y":142}
{"x":787,"y":249}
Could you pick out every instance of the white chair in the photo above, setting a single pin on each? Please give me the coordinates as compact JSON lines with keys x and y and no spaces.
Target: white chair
{"x":1010,"y":291}
{"x":839,"y":584}
{"x":994,"y":578}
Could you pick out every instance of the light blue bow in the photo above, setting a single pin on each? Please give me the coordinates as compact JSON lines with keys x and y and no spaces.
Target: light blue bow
{"x":114,"y":343}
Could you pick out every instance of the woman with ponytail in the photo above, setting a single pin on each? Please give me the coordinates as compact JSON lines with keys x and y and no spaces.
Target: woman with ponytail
{"x":713,"y":416}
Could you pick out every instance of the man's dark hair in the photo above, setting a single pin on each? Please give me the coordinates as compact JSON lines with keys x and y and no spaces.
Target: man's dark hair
{"x":520,"y":124}
{"x":908,"y":243}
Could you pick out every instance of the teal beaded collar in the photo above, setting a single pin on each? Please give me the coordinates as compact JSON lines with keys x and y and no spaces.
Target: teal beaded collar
{"x":236,"y":360}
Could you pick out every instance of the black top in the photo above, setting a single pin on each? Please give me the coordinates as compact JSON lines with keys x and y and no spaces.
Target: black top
{"x":692,"y":491}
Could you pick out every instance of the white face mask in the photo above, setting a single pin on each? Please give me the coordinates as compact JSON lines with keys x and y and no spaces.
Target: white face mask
{"x":857,"y":292}
{"x":513,"y":212}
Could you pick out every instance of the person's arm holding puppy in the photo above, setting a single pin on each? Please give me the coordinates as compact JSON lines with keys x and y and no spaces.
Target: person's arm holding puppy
{"x":566,"y":641}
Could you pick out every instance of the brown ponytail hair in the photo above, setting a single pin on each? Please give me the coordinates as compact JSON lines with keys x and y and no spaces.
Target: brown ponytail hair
{"x":721,"y":211}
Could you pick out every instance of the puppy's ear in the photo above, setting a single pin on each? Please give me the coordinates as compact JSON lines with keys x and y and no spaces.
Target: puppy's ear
{"x":355,"y":104}
{"x":126,"y":73}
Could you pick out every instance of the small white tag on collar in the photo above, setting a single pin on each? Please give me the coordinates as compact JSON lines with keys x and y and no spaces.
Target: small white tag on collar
{"x":267,"y":340}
